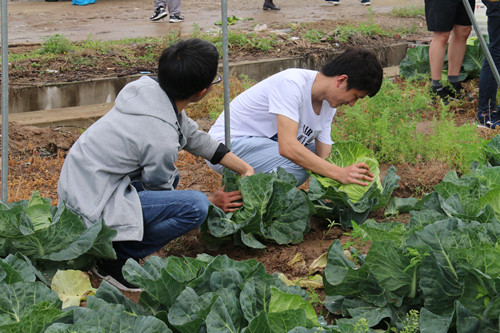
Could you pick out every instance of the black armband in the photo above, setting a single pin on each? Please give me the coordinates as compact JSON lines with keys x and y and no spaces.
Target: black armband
{"x":221,"y":151}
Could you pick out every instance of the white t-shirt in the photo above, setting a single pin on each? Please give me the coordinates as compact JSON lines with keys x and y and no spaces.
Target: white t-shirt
{"x":288,"y":93}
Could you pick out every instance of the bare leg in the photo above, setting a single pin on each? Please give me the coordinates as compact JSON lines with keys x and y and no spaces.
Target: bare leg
{"x":437,"y":52}
{"x":456,"y":49}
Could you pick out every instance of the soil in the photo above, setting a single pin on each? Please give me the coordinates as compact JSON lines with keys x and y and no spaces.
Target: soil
{"x":36,"y":154}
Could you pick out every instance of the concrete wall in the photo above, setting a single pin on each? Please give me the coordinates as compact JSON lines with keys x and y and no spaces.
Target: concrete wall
{"x":104,"y":90}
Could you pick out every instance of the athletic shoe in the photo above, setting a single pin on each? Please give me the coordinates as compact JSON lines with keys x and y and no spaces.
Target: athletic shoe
{"x":442,"y":92}
{"x":491,"y":121}
{"x":270,"y":6}
{"x":111,"y":271}
{"x":365,"y":2}
{"x":158,"y":14}
{"x":333,"y":2}
{"x":456,"y":91}
{"x":176,"y":18}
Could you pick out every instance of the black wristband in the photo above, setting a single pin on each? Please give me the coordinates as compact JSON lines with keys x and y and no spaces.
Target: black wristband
{"x":221,"y":151}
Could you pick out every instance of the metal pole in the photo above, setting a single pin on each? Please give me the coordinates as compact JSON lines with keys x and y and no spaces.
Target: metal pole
{"x":487,"y":53}
{"x":225,"y":72}
{"x":5,"y":103}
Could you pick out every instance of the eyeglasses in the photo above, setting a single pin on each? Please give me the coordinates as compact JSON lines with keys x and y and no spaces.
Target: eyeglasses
{"x":217,"y":80}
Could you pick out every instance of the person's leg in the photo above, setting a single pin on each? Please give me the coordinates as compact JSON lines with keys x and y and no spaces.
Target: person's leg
{"x":437,"y":52}
{"x":456,"y":48}
{"x":166,"y":215}
{"x":159,"y":7}
{"x":174,"y":7}
{"x":269,"y":5}
{"x":263,"y":155}
{"x":159,"y":3}
{"x":487,"y":84}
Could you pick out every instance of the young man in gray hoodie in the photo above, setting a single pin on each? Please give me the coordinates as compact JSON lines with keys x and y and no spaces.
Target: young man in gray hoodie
{"x":122,"y":167}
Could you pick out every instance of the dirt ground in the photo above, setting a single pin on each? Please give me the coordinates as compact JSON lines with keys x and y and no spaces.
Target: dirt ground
{"x":31,"y":21}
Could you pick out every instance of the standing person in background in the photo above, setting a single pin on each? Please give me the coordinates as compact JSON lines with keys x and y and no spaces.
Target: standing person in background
{"x":269,"y":5}
{"x":488,"y":114}
{"x":174,"y":8}
{"x":448,"y":20}
{"x":337,"y":2}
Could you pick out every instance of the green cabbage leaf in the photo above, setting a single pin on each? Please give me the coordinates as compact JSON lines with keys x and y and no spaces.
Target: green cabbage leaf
{"x":273,"y":210}
{"x":351,"y":202}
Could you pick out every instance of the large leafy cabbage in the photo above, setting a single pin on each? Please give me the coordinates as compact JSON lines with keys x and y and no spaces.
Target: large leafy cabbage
{"x":350,"y":202}
{"x":445,"y":263}
{"x":273,"y":209}
{"x":218,"y":294}
{"x":50,"y":237}
{"x":344,"y":154}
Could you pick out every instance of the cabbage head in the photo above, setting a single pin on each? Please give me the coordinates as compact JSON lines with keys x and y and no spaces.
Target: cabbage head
{"x":347,"y":153}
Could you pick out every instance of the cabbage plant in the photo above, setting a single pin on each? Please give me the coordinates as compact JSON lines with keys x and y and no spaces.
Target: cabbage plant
{"x":351,"y":202}
{"x":52,"y":238}
{"x":444,"y":263}
{"x":273,"y":210}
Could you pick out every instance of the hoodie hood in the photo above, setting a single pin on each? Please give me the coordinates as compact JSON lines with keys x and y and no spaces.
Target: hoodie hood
{"x":145,"y":97}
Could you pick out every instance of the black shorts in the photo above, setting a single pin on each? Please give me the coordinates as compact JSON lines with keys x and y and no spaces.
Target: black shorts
{"x":442,"y":15}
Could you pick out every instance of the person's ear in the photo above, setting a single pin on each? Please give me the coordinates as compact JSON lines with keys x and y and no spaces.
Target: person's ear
{"x":341,"y":79}
{"x":201,"y":94}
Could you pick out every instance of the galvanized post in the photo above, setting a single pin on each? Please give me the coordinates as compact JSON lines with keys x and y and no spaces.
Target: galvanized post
{"x":487,"y":53}
{"x":225,"y":72}
{"x":5,"y":103}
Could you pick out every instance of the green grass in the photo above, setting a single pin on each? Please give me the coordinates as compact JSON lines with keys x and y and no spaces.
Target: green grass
{"x":391,"y":125}
{"x":408,"y":11}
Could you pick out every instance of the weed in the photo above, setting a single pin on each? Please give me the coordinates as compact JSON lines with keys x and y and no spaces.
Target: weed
{"x":213,"y":103}
{"x":331,"y":224}
{"x":411,"y":323}
{"x":56,"y":44}
{"x":170,"y":39}
{"x":314,"y":298}
{"x":313,"y":36}
{"x":197,"y":31}
{"x":362,"y":326}
{"x":82,"y":61}
{"x":408,"y":12}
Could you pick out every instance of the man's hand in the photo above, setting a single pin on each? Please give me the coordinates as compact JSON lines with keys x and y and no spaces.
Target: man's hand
{"x":358,"y":173}
{"x":227,"y":201}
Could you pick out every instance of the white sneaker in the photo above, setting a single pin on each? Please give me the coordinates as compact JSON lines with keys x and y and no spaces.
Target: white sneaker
{"x":176,"y":18}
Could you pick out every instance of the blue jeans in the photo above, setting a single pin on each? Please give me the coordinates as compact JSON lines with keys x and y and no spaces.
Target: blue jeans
{"x":263,"y":155}
{"x":166,"y":216}
{"x":487,"y":84}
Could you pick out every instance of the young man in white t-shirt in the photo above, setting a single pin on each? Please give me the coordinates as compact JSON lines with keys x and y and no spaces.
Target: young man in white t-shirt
{"x":285,"y":120}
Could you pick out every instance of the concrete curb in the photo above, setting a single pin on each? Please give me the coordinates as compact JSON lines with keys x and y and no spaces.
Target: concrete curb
{"x":81,"y":103}
{"x":85,"y":115}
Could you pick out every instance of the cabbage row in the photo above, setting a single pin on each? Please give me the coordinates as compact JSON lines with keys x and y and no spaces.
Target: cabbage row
{"x":445,"y":263}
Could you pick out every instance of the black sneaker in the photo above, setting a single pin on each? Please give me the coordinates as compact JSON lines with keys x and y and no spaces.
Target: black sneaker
{"x":365,"y":2}
{"x":111,"y":271}
{"x":333,"y":2}
{"x":158,"y":14}
{"x":442,"y":92}
{"x":457,"y":91}
{"x":270,"y":6}
{"x":176,"y":18}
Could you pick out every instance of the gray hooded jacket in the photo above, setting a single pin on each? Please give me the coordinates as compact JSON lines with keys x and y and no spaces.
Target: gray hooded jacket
{"x":138,"y":139}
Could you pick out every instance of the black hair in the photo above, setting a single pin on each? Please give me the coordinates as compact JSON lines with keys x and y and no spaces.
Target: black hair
{"x":187,"y":67}
{"x":362,"y":67}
